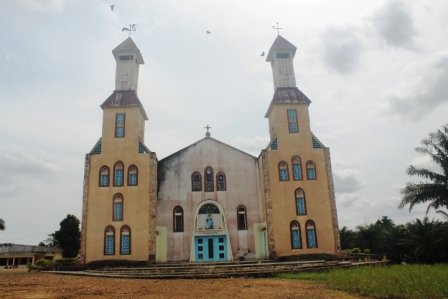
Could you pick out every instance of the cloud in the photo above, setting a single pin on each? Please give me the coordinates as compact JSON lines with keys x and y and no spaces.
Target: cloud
{"x":253,"y":145}
{"x":342,"y":48}
{"x":18,"y":166}
{"x":395,"y":25}
{"x":44,"y":5}
{"x":422,"y":87}
{"x":348,"y":180}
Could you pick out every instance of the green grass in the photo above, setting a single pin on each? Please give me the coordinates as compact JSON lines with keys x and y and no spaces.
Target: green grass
{"x":399,"y":281}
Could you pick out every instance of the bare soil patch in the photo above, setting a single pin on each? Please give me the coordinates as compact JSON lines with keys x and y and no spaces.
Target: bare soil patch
{"x":23,"y":284}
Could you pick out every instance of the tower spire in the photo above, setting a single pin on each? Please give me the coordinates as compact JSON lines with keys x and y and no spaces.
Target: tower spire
{"x":128,"y":59}
{"x":281,"y":55}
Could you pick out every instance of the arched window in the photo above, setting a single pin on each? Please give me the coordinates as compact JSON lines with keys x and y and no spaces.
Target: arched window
{"x":208,"y":179}
{"x":196,"y":181}
{"x":296,"y":242}
{"x":300,"y":202}
{"x":132,"y":175}
{"x":125,"y":240}
{"x":283,"y":171}
{"x":118,"y":207}
{"x":221,"y":179}
{"x":296,"y":168}
{"x":109,"y":240}
{"x":209,"y":209}
{"x":178,"y":219}
{"x":104,"y":176}
{"x":310,"y":170}
{"x":242,"y":217}
{"x":311,"y":238}
{"x":118,"y":174}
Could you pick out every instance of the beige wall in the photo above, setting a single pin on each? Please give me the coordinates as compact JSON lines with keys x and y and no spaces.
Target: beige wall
{"x":282,"y":193}
{"x":98,"y":207}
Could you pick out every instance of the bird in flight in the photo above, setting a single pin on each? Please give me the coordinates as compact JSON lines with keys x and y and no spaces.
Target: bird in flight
{"x":112,"y":7}
{"x":262,"y":54}
{"x":208,"y":32}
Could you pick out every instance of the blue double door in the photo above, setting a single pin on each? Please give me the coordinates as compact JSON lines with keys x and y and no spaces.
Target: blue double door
{"x":211,"y":248}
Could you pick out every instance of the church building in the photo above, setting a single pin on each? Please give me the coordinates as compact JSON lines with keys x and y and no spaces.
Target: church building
{"x":208,"y":201}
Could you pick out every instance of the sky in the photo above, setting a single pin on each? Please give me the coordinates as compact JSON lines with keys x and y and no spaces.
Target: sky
{"x":375,"y":71}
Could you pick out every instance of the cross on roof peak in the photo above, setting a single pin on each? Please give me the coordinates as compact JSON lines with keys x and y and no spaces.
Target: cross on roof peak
{"x":278,"y":28}
{"x":208,"y":134}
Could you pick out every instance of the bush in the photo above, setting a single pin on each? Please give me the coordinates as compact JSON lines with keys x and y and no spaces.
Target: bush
{"x":356,"y":250}
{"x":65,"y":261}
{"x":367,"y":251}
{"x":44,"y":263}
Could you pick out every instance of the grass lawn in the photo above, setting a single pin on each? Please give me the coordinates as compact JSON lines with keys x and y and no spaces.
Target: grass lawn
{"x":398,"y":281}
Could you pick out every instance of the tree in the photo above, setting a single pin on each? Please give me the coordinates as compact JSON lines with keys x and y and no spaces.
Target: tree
{"x":2,"y":224}
{"x":68,"y":237}
{"x":435,"y":189}
{"x":348,"y":238}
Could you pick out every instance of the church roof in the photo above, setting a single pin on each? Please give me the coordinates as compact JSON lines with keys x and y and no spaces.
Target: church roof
{"x":124,"y":98}
{"x":287,"y":95}
{"x":281,"y":44}
{"x":128,"y":46}
{"x":179,"y":152}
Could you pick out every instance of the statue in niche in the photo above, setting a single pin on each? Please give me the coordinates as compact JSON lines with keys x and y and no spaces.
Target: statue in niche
{"x":209,"y":222}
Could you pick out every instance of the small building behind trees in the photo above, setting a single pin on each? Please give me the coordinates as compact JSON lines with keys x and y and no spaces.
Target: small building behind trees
{"x":18,"y":256}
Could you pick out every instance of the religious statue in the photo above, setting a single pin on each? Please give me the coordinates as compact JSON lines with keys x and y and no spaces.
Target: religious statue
{"x":209,"y":222}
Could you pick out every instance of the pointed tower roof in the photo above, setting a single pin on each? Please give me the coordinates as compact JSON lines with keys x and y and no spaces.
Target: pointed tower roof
{"x":128,"y":46}
{"x":124,"y":98}
{"x":280,"y":44}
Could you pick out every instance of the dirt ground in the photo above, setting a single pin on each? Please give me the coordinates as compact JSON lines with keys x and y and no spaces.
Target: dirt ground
{"x":22,"y":284}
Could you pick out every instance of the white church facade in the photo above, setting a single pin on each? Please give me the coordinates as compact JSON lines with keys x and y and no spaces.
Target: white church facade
{"x":209,"y":201}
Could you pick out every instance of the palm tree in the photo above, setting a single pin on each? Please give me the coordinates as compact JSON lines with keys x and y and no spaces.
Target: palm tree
{"x":425,"y":239}
{"x":367,"y":237}
{"x":2,"y":224}
{"x":435,"y":189}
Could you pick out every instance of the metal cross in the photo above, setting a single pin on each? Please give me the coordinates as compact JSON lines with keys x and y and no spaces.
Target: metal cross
{"x":130,"y":29}
{"x":278,"y":29}
{"x":208,"y":133}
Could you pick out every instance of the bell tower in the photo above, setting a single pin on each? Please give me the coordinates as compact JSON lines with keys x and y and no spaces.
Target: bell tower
{"x":128,"y":58}
{"x":281,"y":55}
{"x":295,"y":170}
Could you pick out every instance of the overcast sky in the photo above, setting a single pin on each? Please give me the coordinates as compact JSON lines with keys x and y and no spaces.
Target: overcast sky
{"x":375,"y":71}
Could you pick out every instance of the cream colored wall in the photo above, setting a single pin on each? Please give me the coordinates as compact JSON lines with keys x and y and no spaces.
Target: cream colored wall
{"x":136,"y":199}
{"x":318,"y":201}
{"x":243,"y":188}
{"x":161,"y":244}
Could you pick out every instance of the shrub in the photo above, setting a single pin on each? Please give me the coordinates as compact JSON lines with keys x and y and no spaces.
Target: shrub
{"x":44,"y":263}
{"x":65,"y":261}
{"x":367,"y":251}
{"x":356,"y":250}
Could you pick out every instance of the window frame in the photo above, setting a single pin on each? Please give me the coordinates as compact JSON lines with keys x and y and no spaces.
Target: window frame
{"x":118,"y":163}
{"x":292,"y":121}
{"x":192,"y":181}
{"x":280,"y":171}
{"x":310,"y":223}
{"x":100,"y":183}
{"x":120,"y":125}
{"x":181,"y":219}
{"x":241,"y":225}
{"x":130,"y":169}
{"x":121,"y":239}
{"x":295,"y":226}
{"x":310,"y":162}
{"x":223,"y":182}
{"x":115,"y":199}
{"x":297,"y":202}
{"x":106,"y":231}
{"x":293,"y":163}
{"x":211,"y":176}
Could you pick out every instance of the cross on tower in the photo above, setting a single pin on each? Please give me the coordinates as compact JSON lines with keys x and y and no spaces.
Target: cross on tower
{"x":278,"y":29}
{"x":208,"y":133}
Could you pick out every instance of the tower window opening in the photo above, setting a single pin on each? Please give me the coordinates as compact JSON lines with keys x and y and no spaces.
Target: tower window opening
{"x":292,"y":121}
{"x":296,"y":168}
{"x":119,"y":125}
{"x":295,"y":235}
{"x":282,"y":55}
{"x":283,"y":171}
{"x":126,"y":57}
{"x":118,"y":207}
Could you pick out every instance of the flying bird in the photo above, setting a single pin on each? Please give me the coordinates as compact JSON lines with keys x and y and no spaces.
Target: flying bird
{"x":112,"y":7}
{"x":208,"y":32}
{"x":262,"y":54}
